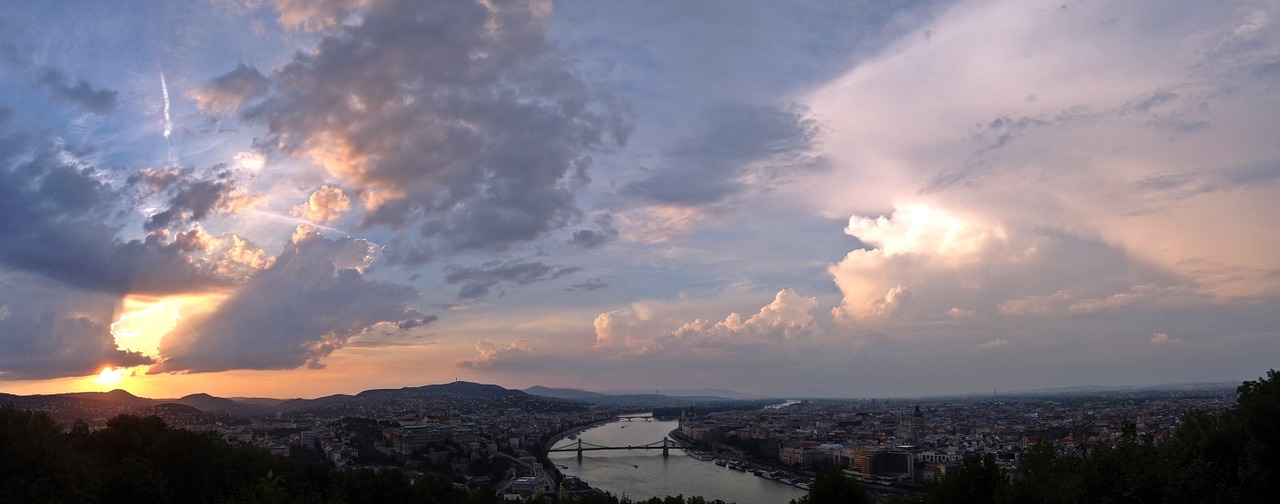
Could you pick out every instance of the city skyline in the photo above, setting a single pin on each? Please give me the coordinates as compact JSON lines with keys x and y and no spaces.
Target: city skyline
{"x":301,"y":198}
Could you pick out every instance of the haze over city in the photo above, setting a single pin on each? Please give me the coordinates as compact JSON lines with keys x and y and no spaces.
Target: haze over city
{"x":861,"y":199}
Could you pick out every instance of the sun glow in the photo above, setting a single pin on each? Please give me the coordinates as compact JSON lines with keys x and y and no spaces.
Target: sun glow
{"x":145,"y":321}
{"x":111,"y":377}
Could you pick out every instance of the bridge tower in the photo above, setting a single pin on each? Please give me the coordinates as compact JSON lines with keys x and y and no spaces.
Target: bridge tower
{"x":579,"y":450}
{"x":665,"y":450}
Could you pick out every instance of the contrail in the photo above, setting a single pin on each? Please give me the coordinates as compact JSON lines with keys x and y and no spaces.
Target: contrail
{"x":168,"y":123}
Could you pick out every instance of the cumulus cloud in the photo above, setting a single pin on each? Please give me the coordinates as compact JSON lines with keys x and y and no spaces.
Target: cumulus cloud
{"x":788,"y":316}
{"x":459,"y":116}
{"x":496,"y":356}
{"x":920,"y":260}
{"x":310,"y":302}
{"x":324,"y":205}
{"x":229,"y":255}
{"x":98,"y":101}
{"x":224,"y":94}
{"x":478,"y":281}
{"x":919,"y":238}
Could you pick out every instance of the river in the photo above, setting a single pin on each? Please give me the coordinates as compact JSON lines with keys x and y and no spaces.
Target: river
{"x":641,"y":474}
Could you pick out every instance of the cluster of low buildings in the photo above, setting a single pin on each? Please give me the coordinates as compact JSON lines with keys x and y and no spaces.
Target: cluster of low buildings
{"x":913,"y":442}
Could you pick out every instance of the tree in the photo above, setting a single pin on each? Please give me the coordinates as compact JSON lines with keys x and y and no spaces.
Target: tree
{"x":833,"y":487}
{"x":979,"y":480}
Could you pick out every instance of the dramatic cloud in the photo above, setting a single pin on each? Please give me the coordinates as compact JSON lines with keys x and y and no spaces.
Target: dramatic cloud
{"x":230,"y":256}
{"x":56,"y":218}
{"x":923,"y":260}
{"x":477,"y":281}
{"x":1032,"y":194}
{"x":1155,"y":156}
{"x":224,"y":94}
{"x":98,"y":101}
{"x":457,"y":114}
{"x":495,"y":356}
{"x":49,"y":331}
{"x":300,"y":309}
{"x":324,"y":205}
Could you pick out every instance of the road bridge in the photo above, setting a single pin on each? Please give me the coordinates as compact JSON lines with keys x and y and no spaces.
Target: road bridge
{"x":581,"y":446}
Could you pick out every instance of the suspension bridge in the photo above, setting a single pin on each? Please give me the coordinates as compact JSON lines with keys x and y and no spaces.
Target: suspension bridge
{"x":581,"y":446}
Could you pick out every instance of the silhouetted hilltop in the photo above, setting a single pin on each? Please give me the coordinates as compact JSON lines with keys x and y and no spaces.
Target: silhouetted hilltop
{"x":116,"y":396}
{"x":458,"y":388}
{"x":562,"y":393}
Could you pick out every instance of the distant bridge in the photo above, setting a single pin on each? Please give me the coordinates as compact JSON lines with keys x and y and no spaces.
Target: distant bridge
{"x":581,"y":446}
{"x":646,"y":417}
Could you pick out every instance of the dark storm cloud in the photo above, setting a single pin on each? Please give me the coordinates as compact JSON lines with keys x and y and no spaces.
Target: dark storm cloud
{"x":738,"y":147}
{"x":49,"y":331}
{"x":293,"y":313}
{"x":459,"y":115}
{"x":99,"y":101}
{"x":477,"y":281}
{"x":54,"y":221}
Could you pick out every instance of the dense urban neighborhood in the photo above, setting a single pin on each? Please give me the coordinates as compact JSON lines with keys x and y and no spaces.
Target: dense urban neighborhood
{"x":485,"y":438}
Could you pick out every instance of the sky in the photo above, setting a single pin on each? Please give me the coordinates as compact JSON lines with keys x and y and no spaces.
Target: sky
{"x":295,"y":198}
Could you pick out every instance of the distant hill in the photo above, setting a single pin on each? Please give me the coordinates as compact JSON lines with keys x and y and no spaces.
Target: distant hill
{"x":258,"y":401}
{"x":210,"y":404}
{"x":688,"y":393}
{"x":458,"y":388}
{"x":639,"y":397}
{"x":206,"y":402}
{"x":116,"y":396}
{"x":562,"y":393}
{"x":625,"y":399}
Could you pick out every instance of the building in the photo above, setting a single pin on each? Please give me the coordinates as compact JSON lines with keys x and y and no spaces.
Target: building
{"x":411,"y":438}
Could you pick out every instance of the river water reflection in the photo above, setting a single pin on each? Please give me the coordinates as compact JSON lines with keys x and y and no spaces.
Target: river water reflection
{"x":640,"y":474}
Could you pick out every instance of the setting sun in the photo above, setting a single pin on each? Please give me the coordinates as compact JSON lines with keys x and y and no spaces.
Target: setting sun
{"x":111,"y":377}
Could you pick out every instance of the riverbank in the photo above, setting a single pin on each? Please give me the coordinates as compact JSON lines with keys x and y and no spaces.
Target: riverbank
{"x":641,"y":474}
{"x":732,"y":459}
